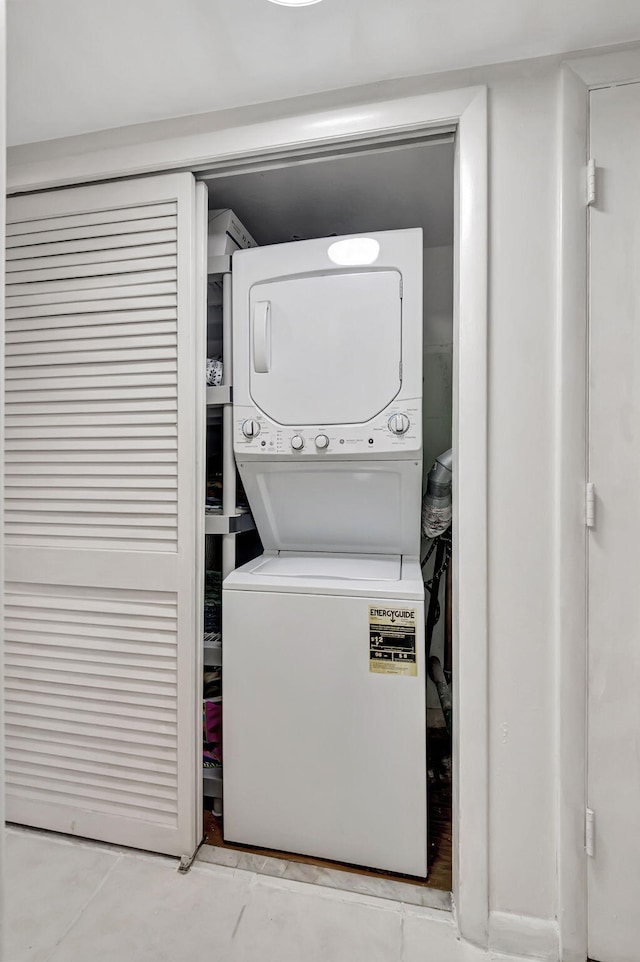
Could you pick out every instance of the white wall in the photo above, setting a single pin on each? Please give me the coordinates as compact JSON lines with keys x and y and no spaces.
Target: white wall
{"x":523,"y":100}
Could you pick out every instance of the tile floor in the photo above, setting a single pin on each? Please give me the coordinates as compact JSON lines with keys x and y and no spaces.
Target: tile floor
{"x":73,"y":901}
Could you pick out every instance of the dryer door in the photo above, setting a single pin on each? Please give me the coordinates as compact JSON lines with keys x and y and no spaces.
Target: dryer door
{"x":326,"y":349}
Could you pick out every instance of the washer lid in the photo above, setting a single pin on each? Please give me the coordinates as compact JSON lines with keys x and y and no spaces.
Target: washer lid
{"x":336,"y":507}
{"x":326,"y":348}
{"x":341,"y":567}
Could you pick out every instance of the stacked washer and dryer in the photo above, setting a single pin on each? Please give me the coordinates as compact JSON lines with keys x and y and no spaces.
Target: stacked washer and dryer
{"x":324,"y":712}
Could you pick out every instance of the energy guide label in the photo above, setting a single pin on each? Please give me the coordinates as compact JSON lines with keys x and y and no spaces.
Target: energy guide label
{"x":392,"y":641}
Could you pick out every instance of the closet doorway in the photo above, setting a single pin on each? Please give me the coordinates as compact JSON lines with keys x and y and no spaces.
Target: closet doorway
{"x":382,"y":187}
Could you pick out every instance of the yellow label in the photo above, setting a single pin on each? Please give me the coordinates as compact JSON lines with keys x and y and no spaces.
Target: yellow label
{"x":392,"y":640}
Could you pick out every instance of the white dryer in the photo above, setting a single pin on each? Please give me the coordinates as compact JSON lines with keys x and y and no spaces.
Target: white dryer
{"x":323,"y":659}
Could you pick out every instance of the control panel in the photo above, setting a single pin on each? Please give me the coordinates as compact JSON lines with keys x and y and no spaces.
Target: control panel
{"x":395,"y":431}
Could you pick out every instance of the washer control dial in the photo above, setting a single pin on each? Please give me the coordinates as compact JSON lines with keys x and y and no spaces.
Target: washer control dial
{"x":250,"y":428}
{"x":322,"y":442}
{"x":297,"y":443}
{"x":399,"y":424}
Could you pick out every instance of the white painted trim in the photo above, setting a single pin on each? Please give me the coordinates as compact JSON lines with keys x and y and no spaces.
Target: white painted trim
{"x":523,"y":936}
{"x":466,"y":108}
{"x":471,"y":691}
{"x":206,"y":149}
{"x":570,"y":585}
{"x":191,"y":456}
{"x":3,"y":154}
{"x":199,"y":479}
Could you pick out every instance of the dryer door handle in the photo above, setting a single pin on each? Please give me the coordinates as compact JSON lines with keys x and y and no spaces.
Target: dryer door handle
{"x":262,"y":337}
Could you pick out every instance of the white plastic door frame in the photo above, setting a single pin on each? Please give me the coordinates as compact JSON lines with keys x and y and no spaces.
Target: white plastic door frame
{"x":578,"y":77}
{"x":466,"y":111}
{"x":3,"y":154}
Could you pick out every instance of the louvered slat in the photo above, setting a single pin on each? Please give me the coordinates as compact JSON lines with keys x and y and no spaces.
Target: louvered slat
{"x":115,"y":242}
{"x":91,"y":231}
{"x":32,"y":289}
{"x":118,"y":269}
{"x":30,"y":484}
{"x":51,"y":629}
{"x":119,"y":336}
{"x":47,"y":418}
{"x":62,"y":744}
{"x":121,"y":798}
{"x":58,"y":382}
{"x":77,"y":322}
{"x":85,"y":767}
{"x":51,"y":296}
{"x":16,"y":637}
{"x":101,"y":361}
{"x":120,"y":407}
{"x":21,"y":744}
{"x":113,"y":215}
{"x":124,"y":701}
{"x":101,"y":495}
{"x":92,"y":461}
{"x":149,"y":301}
{"x":86,"y":392}
{"x":92,"y":261}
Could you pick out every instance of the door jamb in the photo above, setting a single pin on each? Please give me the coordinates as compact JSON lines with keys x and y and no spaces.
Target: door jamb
{"x":578,"y":77}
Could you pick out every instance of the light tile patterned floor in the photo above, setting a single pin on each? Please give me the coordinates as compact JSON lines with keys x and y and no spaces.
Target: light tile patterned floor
{"x":74,"y":901}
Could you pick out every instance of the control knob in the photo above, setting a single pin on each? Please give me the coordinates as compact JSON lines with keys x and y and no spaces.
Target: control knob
{"x":399,"y":423}
{"x":250,"y":428}
{"x":297,"y":443}
{"x":322,"y":442}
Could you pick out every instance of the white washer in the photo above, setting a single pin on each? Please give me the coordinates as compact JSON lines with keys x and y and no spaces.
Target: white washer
{"x":323,"y":756}
{"x":323,"y":659}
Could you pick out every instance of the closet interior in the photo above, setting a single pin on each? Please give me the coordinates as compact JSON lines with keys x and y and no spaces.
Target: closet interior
{"x":390,"y":188}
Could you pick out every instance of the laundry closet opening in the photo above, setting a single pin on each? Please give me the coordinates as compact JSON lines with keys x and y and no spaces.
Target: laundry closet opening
{"x":304,"y":732}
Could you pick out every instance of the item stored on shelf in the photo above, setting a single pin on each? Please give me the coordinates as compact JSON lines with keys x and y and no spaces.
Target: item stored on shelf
{"x":212,"y":619}
{"x":214,"y":372}
{"x":212,"y":683}
{"x":212,"y":732}
{"x":227,"y":234}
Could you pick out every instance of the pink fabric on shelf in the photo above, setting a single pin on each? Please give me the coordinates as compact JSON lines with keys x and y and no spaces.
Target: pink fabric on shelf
{"x":213,"y":727}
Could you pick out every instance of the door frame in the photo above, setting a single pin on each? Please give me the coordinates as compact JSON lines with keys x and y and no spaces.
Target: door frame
{"x":578,"y":77}
{"x":97,"y":157}
{"x":3,"y":171}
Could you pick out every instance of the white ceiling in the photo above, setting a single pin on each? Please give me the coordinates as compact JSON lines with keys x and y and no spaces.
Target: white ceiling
{"x":82,"y":65}
{"x":387,"y":190}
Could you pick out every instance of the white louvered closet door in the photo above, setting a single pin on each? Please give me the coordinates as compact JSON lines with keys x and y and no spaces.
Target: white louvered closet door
{"x":104,"y":508}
